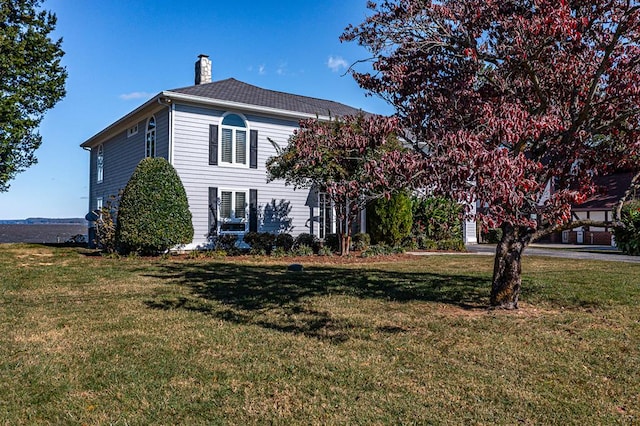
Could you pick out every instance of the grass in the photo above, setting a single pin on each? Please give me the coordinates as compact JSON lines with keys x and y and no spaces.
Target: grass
{"x":92,"y":340}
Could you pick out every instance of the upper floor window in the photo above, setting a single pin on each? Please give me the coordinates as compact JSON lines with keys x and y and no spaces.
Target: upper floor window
{"x":132,"y":131}
{"x":150,"y":138}
{"x":100,"y":163}
{"x":233,"y":140}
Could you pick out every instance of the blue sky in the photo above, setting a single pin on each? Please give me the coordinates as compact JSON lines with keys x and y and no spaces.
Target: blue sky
{"x":120,"y":53}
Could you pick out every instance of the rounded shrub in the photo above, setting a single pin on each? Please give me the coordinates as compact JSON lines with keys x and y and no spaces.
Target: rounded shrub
{"x":332,"y":242}
{"x":284,"y":241}
{"x":308,"y":240}
{"x":361,"y":241}
{"x":389,"y":221}
{"x":628,"y":235}
{"x":153,"y":214}
{"x":260,"y":242}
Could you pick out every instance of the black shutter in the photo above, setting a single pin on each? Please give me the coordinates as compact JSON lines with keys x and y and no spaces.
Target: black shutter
{"x":213,"y":211}
{"x":253,"y":149}
{"x":253,"y":210}
{"x":213,"y":144}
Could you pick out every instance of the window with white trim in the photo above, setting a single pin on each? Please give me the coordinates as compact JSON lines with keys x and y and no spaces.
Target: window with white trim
{"x":150,"y":137}
{"x":99,"y":203}
{"x":100,"y":163}
{"x":132,"y":131}
{"x":233,"y":211}
{"x":233,"y":141}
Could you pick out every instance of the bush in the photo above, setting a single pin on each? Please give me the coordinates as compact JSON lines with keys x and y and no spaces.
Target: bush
{"x":260,"y":242}
{"x":279,"y":252}
{"x":451,"y":245}
{"x":492,"y":236}
{"x":307,"y":240}
{"x":389,"y":221}
{"x":332,"y":242}
{"x":325,"y":251}
{"x":361,"y":241}
{"x":410,"y":243}
{"x":105,"y":238}
{"x":153,"y":214}
{"x":225,"y":243}
{"x":284,"y":241}
{"x":302,"y":250}
{"x":426,"y":243}
{"x":628,"y":235}
{"x":437,"y":218}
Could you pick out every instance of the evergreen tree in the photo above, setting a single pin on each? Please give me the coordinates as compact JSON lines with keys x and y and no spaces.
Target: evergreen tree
{"x":31,"y":82}
{"x":153,"y":214}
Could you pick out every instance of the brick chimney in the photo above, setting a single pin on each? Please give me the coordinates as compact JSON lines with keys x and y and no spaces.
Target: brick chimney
{"x":203,"y":69}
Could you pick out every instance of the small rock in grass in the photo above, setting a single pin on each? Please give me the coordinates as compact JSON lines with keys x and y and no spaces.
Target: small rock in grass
{"x":295,"y":267}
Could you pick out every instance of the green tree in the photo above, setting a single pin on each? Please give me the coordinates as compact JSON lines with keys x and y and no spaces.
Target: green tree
{"x":389,"y":220}
{"x":31,"y":82}
{"x":627,"y":233}
{"x":153,"y":214}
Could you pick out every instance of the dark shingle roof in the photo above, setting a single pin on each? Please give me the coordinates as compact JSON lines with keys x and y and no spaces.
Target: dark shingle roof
{"x":232,"y":90}
{"x":611,"y":189}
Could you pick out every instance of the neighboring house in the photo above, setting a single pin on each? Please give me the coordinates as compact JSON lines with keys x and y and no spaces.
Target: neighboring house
{"x":598,"y":208}
{"x":217,"y":136}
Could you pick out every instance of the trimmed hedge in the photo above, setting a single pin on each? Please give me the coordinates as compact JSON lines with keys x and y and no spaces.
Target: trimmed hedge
{"x":389,"y":221}
{"x":153,"y":214}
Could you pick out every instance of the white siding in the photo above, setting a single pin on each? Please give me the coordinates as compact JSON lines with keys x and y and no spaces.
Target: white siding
{"x":191,"y":160}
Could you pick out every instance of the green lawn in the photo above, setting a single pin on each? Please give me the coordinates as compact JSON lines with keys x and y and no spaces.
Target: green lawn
{"x":92,"y":340}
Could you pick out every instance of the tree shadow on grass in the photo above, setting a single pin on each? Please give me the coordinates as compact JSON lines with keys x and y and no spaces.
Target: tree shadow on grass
{"x":273,"y":298}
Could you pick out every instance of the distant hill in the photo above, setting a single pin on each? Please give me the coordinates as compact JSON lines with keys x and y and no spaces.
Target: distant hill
{"x":45,"y":221}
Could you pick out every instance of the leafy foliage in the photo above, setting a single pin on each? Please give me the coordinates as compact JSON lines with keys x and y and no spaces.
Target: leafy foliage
{"x":628,"y":235}
{"x":437,"y":218}
{"x":361,"y":241}
{"x":501,"y":98}
{"x":353,"y":159}
{"x":389,"y":220}
{"x":260,"y":242}
{"x":153,"y":214}
{"x":284,"y":241}
{"x":225,"y":243}
{"x":106,"y":225}
{"x":308,"y":240}
{"x":332,"y":242}
{"x":303,"y":250}
{"x":32,"y":81}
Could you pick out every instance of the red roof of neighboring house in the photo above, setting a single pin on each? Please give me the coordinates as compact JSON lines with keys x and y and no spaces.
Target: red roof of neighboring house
{"x":612,"y":189}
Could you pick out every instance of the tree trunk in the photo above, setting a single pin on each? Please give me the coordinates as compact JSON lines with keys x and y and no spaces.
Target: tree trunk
{"x":345,"y":243}
{"x":507,"y":269}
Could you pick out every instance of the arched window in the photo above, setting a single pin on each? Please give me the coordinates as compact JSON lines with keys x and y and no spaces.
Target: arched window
{"x":150,"y":137}
{"x":233,"y":138}
{"x":100,"y":163}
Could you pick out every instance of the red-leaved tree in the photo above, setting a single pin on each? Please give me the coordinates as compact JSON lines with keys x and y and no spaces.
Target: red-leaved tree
{"x":507,"y":97}
{"x":354,"y":159}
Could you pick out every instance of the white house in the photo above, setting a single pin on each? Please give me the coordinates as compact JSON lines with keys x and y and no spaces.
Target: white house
{"x":216,"y":135}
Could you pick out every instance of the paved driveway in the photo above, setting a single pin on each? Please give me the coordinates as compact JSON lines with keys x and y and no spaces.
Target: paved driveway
{"x":564,"y":250}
